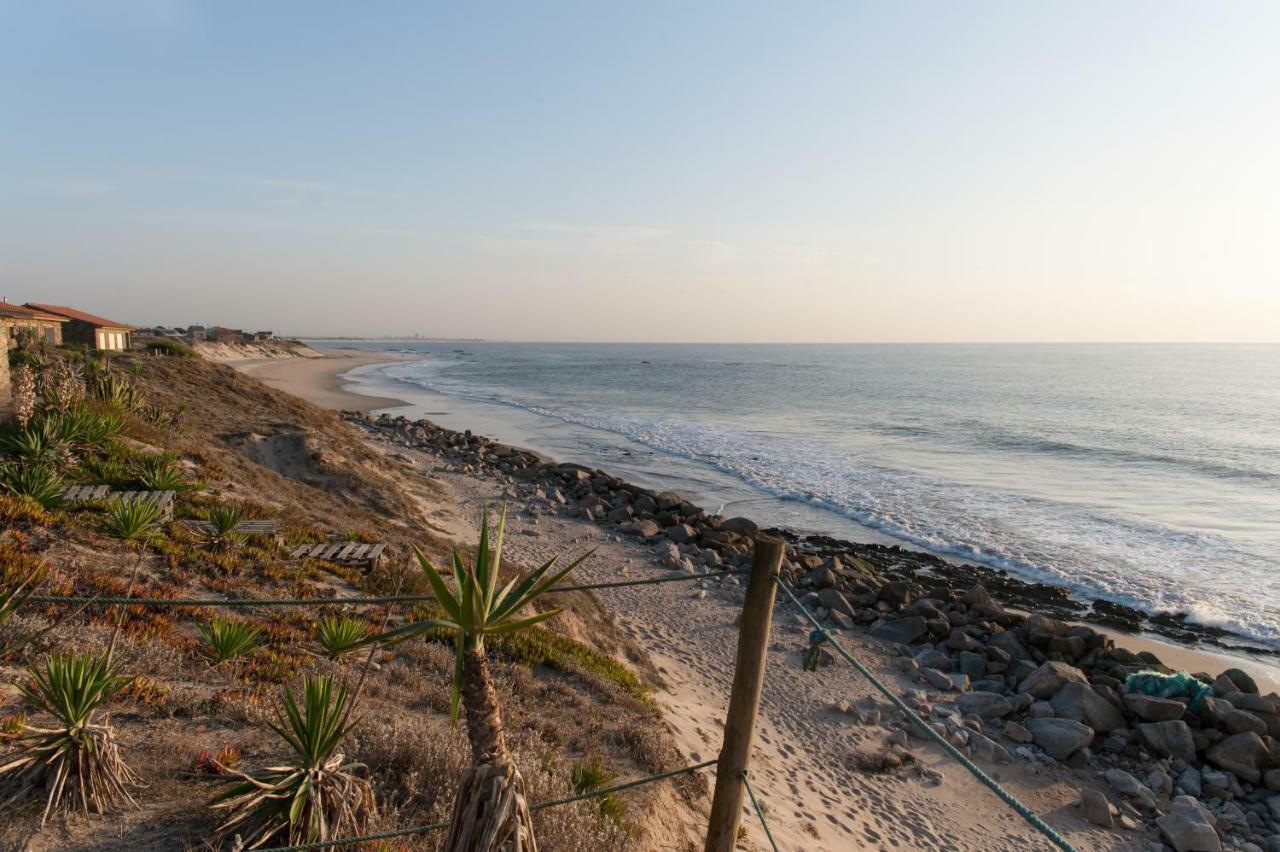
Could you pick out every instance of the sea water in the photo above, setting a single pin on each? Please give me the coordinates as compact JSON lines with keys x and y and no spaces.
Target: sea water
{"x":1148,"y":475}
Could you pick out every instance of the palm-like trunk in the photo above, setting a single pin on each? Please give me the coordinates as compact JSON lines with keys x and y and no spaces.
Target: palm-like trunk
{"x":490,"y":813}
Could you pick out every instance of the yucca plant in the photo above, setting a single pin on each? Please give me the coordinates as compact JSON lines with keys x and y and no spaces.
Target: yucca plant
{"x":317,"y":796}
{"x":42,"y":483}
{"x":115,"y":390}
{"x":226,"y":639}
{"x":340,"y":635}
{"x":161,"y":473}
{"x":38,"y":442}
{"x":224,"y":533}
{"x":132,"y":520}
{"x":77,"y":760}
{"x":490,"y":812}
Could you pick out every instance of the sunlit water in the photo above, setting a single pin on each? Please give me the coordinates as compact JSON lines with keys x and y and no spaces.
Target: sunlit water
{"x":1147,"y":475}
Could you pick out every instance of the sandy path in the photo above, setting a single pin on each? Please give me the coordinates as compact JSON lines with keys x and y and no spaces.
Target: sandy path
{"x":814,"y":800}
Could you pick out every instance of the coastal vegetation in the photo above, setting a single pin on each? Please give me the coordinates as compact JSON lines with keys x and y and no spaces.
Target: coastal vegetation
{"x":250,"y":710}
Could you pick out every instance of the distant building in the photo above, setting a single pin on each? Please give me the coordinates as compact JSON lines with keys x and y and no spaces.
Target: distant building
{"x":19,"y":321}
{"x":218,"y":334}
{"x":263,"y":335}
{"x":89,"y":329}
{"x":197,"y":333}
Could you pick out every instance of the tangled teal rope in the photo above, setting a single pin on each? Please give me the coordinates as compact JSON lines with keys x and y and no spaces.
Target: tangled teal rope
{"x":1005,"y":796}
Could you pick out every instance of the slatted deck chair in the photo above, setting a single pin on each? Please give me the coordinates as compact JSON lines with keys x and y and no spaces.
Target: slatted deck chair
{"x":267,"y":527}
{"x":344,"y":553}
{"x":83,"y":493}
{"x":163,"y":499}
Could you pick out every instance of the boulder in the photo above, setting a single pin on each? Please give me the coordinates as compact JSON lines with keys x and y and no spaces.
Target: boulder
{"x":744,"y":527}
{"x":1046,"y":680}
{"x":904,"y":631}
{"x":1245,"y":754}
{"x":1059,"y":738}
{"x":1151,"y":709}
{"x":832,"y":600}
{"x":1188,"y":827}
{"x":680,"y":533}
{"x":1081,"y":702}
{"x":1008,"y":642}
{"x":645,"y":529}
{"x":1170,"y":738}
{"x":985,"y":705}
{"x":1095,"y":808}
{"x":1227,"y":717}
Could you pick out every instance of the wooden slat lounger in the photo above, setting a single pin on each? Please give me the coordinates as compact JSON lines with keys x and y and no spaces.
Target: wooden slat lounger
{"x":246,"y":527}
{"x":348,"y":553}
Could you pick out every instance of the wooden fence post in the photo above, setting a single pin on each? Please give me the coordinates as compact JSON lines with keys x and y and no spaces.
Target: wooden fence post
{"x":744,"y":700}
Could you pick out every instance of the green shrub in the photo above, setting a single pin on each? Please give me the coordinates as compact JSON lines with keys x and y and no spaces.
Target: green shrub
{"x":169,"y":346}
{"x":132,"y":520}
{"x":589,"y":775}
{"x":225,"y":639}
{"x":39,"y":482}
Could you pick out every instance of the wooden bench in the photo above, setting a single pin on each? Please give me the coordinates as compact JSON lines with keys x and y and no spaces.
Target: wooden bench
{"x":246,"y":527}
{"x":80,"y":493}
{"x":163,"y":499}
{"x":344,"y":553}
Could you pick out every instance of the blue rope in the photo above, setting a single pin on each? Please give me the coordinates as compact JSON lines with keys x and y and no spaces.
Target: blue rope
{"x":759,"y":813}
{"x":1005,"y":796}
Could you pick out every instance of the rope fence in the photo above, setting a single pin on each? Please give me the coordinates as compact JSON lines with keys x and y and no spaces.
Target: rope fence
{"x":555,"y":803}
{"x":234,"y":603}
{"x":995,"y":787}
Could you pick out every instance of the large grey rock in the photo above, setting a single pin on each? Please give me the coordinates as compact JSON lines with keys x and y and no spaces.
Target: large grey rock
{"x":645,"y":529}
{"x":1245,"y":754}
{"x":1049,"y":678}
{"x":832,"y":599}
{"x":986,"y":705}
{"x":1127,"y":785}
{"x":742,"y":526}
{"x":1095,"y":807}
{"x":1227,"y":717}
{"x":1081,"y":702}
{"x":1060,"y":738}
{"x":680,"y":533}
{"x":1188,"y":827}
{"x":902,"y":630}
{"x":1008,"y":642}
{"x":1151,"y":709}
{"x":1168,"y":739}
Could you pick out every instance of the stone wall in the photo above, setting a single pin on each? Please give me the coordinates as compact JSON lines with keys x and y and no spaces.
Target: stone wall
{"x":6,"y":395}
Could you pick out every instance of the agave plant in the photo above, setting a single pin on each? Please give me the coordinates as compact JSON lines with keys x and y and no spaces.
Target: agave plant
{"x":490,"y":811}
{"x":224,"y":534}
{"x":225,"y":639}
{"x":317,"y":796}
{"x":77,"y":760}
{"x":161,"y":473}
{"x":40,"y":482}
{"x":115,"y":390}
{"x":340,"y":635}
{"x":132,"y":520}
{"x":39,"y":442}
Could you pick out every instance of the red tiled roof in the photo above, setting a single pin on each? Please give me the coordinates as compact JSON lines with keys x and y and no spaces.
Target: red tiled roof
{"x":73,"y":314}
{"x":24,"y":312}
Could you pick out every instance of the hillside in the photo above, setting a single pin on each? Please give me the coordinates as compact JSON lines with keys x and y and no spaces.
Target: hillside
{"x":569,"y":703}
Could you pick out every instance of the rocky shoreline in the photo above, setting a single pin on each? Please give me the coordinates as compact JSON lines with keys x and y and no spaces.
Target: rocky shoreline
{"x":1195,"y":760}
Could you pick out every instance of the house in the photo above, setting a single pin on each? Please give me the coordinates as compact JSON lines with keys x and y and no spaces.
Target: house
{"x":263,"y":335}
{"x":98,"y":332}
{"x":27,"y":321}
{"x":196,"y":333}
{"x":218,"y":334}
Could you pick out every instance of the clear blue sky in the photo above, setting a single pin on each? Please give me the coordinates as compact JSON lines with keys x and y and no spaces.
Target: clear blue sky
{"x":649,"y":171}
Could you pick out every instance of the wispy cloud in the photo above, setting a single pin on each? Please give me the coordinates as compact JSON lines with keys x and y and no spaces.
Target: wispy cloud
{"x":68,"y":187}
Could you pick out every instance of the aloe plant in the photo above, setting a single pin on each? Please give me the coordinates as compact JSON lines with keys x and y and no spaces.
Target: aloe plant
{"x":224,"y":533}
{"x":76,"y":761}
{"x":40,"y":482}
{"x":340,"y":635}
{"x":226,"y":639}
{"x":316,"y":796}
{"x":491,"y":803}
{"x":132,"y":520}
{"x":161,"y":473}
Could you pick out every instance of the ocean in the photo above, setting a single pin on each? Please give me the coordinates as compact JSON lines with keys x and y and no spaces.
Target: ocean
{"x":1148,"y":475}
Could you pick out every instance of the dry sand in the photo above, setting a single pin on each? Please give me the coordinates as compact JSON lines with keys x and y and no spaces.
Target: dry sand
{"x":814,"y":799}
{"x":319,"y":379}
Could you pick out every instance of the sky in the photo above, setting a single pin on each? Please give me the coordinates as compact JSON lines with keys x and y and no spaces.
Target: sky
{"x":659,"y":171}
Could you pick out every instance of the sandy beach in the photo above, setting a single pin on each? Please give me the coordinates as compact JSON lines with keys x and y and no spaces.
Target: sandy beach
{"x":816,"y":799}
{"x":319,"y":380}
